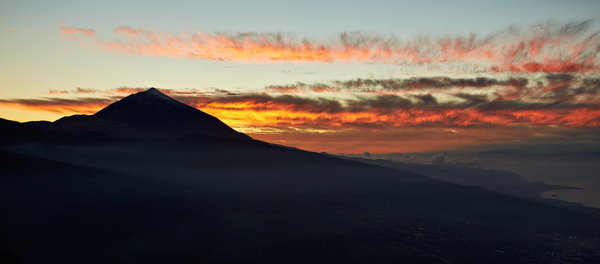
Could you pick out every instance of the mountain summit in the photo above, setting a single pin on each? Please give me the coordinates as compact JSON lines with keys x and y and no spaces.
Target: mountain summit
{"x":149,"y":114}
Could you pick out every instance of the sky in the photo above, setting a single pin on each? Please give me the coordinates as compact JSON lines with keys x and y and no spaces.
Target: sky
{"x":331,"y":76}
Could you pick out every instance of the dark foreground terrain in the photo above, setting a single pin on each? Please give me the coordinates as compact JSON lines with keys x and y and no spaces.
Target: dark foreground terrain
{"x":98,"y":198}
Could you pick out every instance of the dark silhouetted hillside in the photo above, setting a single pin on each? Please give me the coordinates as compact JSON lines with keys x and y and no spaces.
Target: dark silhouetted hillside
{"x":214,"y":195}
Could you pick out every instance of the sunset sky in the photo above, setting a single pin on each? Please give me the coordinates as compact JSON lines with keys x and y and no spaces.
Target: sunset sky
{"x":334,"y":76}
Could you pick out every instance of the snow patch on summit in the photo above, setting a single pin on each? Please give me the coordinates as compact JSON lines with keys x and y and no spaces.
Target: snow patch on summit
{"x":155,"y":92}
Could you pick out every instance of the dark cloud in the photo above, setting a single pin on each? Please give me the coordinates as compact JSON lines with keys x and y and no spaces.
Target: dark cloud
{"x":427,"y":100}
{"x":395,"y":85}
{"x":563,"y":77}
{"x":384,"y":103}
{"x":548,"y":88}
{"x":381,"y":104}
{"x":431,"y":83}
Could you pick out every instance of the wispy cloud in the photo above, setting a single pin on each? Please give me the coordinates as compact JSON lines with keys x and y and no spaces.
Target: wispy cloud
{"x":69,"y":32}
{"x":415,"y":84}
{"x":549,"y":88}
{"x":542,"y":47}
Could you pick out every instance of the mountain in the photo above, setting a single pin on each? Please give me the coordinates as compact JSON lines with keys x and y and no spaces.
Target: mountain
{"x":149,"y":114}
{"x":209,"y":198}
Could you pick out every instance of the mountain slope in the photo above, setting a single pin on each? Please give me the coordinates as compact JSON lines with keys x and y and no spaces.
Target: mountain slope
{"x":159,"y":202}
{"x":494,"y":180}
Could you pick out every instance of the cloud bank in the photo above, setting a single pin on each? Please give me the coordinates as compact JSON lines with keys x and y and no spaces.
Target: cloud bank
{"x":549,"y":100}
{"x":543,"y":47}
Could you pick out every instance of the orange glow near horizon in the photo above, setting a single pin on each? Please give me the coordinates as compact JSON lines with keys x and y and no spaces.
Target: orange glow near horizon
{"x":248,"y":113}
{"x":359,"y":131}
{"x":71,"y":109}
{"x":244,"y":114}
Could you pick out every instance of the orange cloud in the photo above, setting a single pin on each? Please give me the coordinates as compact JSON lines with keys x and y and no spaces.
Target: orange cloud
{"x":375,"y":123}
{"x":128,"y":31}
{"x":553,"y":100}
{"x":269,"y":114}
{"x":69,"y":30}
{"x":59,"y":105}
{"x":545,"y":47}
{"x":310,"y":114}
{"x":552,"y":66}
